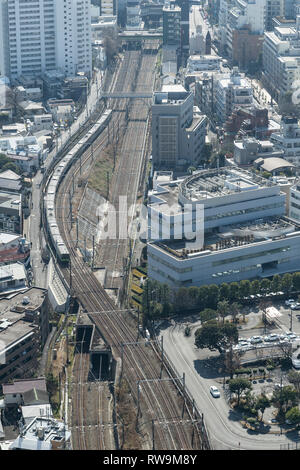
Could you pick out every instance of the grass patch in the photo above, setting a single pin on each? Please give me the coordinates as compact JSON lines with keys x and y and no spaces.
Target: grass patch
{"x":101,"y":174}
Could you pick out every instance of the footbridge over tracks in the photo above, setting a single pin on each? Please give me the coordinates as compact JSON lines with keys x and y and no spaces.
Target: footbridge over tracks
{"x":133,"y":94}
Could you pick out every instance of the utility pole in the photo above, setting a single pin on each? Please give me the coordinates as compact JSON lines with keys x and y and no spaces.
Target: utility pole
{"x":153,"y":441}
{"x":93,"y":259}
{"x":183,"y":382}
{"x":162,"y":357}
{"x":291,"y":322}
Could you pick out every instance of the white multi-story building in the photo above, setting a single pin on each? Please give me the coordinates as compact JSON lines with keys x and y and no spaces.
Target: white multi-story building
{"x":108,"y":8}
{"x":241,"y":228}
{"x":281,"y":58}
{"x":4,"y":48}
{"x":73,"y":36}
{"x":49,"y":34}
{"x":232,"y":91}
{"x":203,"y":62}
{"x":250,"y":13}
{"x":294,"y":202}
{"x":288,"y":139}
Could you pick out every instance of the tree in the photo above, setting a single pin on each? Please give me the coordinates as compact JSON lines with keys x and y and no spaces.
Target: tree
{"x":234,"y":291}
{"x":244,"y":288}
{"x":262,"y":403}
{"x":214,"y":336}
{"x":296,"y":281}
{"x":207,"y":314}
{"x":224,"y":291}
{"x":235,"y":309}
{"x":255,"y":287}
{"x":293,"y":415}
{"x":276,"y":283}
{"x":111,"y":46}
{"x":223,"y":309}
{"x":238,"y":386}
{"x":294,"y":378}
{"x":212,"y":296}
{"x":287,"y":283}
{"x":265,"y":286}
{"x":284,"y":397}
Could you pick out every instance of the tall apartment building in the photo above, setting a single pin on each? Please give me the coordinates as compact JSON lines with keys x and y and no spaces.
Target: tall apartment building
{"x":171,"y":25}
{"x":232,"y":91}
{"x":49,"y":34}
{"x":178,"y":128}
{"x":4,"y":49}
{"x":185,"y":29}
{"x":250,"y":14}
{"x":281,"y":58}
{"x":108,"y":7}
{"x":274,"y":8}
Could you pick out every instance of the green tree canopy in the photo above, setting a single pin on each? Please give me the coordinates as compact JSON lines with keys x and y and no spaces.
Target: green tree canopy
{"x":262,"y":403}
{"x":238,"y":386}
{"x":293,"y":415}
{"x":214,"y":336}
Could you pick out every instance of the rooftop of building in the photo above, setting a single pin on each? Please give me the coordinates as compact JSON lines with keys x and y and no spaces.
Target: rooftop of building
{"x":217,"y":183}
{"x":274,"y":163}
{"x":24,"y":385}
{"x":10,"y":175}
{"x":16,"y":314}
{"x":232,"y":237}
{"x":19,"y":144}
{"x":40,"y":433}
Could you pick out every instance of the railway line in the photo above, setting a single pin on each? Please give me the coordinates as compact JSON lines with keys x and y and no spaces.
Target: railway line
{"x":160,"y":402}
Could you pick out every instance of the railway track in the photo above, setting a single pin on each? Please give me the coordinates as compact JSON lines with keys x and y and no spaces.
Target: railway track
{"x":159,"y":400}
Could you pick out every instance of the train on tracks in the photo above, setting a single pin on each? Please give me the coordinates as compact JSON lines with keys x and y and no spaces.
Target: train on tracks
{"x":55,"y":239}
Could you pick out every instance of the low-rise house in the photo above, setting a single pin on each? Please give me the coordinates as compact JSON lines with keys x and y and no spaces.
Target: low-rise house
{"x":25,"y":152}
{"x":10,"y":212}
{"x":10,"y":182}
{"x":14,"y":392}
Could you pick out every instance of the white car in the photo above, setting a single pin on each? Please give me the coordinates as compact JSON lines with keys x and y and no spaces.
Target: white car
{"x":291,"y":335}
{"x":256,"y":339}
{"x":214,"y":391}
{"x":272,"y":337}
{"x":289,"y":302}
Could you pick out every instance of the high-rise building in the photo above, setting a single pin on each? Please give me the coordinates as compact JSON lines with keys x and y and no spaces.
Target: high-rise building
{"x":281,"y":61}
{"x":178,"y":128}
{"x":4,"y":50}
{"x":171,"y":25}
{"x":49,"y":34}
{"x":185,"y":29}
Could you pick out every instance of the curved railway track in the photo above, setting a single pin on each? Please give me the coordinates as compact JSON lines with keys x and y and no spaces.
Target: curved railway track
{"x":160,"y":401}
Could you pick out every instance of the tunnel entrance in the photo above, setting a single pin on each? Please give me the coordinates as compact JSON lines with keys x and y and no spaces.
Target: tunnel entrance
{"x":83,"y":338}
{"x":100,"y":365}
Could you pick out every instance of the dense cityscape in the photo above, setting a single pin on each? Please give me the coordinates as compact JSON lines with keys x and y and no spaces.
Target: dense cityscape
{"x":150,"y":226}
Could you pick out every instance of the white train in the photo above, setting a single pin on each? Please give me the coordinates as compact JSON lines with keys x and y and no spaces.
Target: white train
{"x":54,"y":237}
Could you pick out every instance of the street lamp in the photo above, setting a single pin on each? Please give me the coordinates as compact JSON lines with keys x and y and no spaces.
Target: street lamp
{"x":291,"y":321}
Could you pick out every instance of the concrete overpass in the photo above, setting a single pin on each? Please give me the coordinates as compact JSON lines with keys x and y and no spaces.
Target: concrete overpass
{"x":140,"y":36}
{"x":127,"y":95}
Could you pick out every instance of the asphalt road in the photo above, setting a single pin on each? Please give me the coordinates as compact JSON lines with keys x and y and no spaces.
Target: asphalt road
{"x":201,"y":371}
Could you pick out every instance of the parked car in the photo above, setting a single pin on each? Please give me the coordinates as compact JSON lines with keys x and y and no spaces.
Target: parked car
{"x":256,"y":339}
{"x":291,"y":335}
{"x":214,"y":391}
{"x":295,"y":306}
{"x":272,"y":337}
{"x":289,"y":302}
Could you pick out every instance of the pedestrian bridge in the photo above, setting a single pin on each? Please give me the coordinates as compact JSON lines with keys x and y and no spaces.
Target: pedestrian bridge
{"x":127,"y":95}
